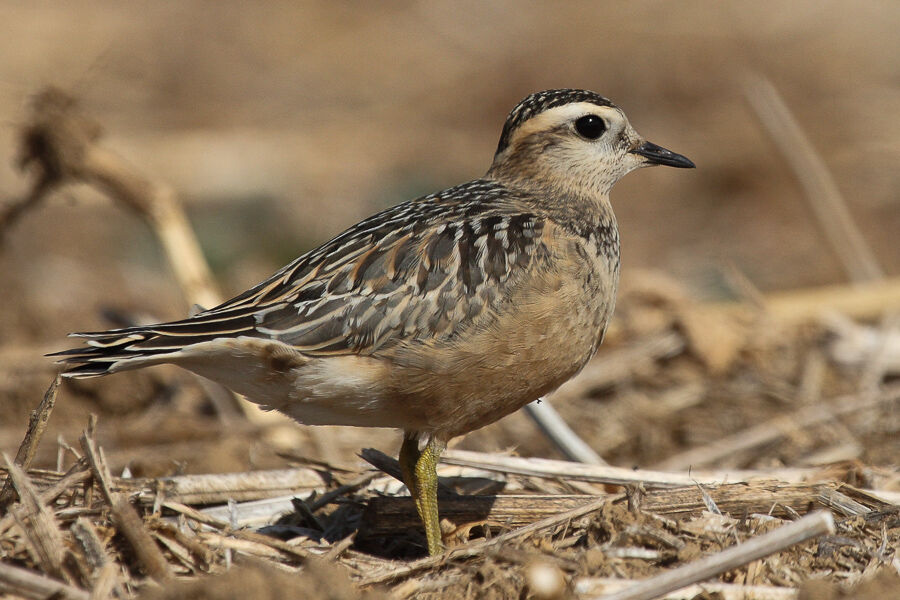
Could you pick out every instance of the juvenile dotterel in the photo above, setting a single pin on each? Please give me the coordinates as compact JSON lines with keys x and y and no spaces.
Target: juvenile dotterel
{"x":436,"y":316}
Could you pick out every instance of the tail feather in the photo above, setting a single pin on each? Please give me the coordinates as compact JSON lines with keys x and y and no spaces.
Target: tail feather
{"x":112,"y":351}
{"x":131,"y":347}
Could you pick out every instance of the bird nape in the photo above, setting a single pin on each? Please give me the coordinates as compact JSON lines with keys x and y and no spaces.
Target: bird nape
{"x":436,"y":316}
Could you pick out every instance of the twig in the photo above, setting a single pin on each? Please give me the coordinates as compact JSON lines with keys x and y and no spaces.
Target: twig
{"x":339,"y":547}
{"x":241,"y":514}
{"x":176,"y":534}
{"x":264,"y":511}
{"x":107,"y":583}
{"x":478,"y":548}
{"x":50,"y":494}
{"x":560,"y":469}
{"x":825,"y":200}
{"x":328,"y":497}
{"x":31,"y":585}
{"x":124,"y":516}
{"x":38,"y":523}
{"x":14,"y":211}
{"x":558,"y":431}
{"x":255,"y":543}
{"x":63,"y":146}
{"x":105,"y":578}
{"x":885,"y":495}
{"x":382,"y":462}
{"x":723,"y":591}
{"x":249,"y":547}
{"x":810,"y":526}
{"x":293,"y":552}
{"x":196,"y":515}
{"x":83,"y":531}
{"x":556,"y":469}
{"x":867,"y":300}
{"x":307,"y":515}
{"x":841,"y":503}
{"x":219,"y":488}
{"x":776,"y":428}
{"x":387,"y":515}
{"x":247,"y":536}
{"x":391,"y":466}
{"x":36,"y":425}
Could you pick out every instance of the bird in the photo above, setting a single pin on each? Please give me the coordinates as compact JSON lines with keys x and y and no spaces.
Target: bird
{"x":436,"y":316}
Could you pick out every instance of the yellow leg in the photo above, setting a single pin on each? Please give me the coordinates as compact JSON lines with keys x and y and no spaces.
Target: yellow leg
{"x":420,"y":475}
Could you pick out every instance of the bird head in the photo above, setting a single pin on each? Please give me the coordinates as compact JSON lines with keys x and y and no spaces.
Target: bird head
{"x":574,"y":140}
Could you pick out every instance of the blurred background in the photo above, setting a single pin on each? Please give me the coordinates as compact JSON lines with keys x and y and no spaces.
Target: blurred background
{"x":281,"y":123}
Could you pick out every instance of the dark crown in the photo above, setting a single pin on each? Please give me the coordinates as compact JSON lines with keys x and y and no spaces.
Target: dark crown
{"x":539,"y":102}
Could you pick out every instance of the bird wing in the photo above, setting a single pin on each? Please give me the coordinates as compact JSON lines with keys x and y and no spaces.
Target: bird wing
{"x":422,"y":270}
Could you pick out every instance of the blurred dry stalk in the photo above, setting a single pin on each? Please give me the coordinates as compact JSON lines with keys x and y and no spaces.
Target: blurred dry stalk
{"x":831,"y":213}
{"x":62,"y":146}
{"x":771,"y":430}
{"x":866,"y":301}
{"x":822,"y":194}
{"x":872,"y":295}
{"x":123,"y":514}
{"x":36,"y":425}
{"x":810,"y":526}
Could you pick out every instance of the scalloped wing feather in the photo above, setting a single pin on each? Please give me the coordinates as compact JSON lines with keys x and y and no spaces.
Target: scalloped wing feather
{"x":422,"y":270}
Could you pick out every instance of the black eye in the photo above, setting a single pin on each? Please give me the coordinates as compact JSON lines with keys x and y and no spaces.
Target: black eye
{"x":590,"y":126}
